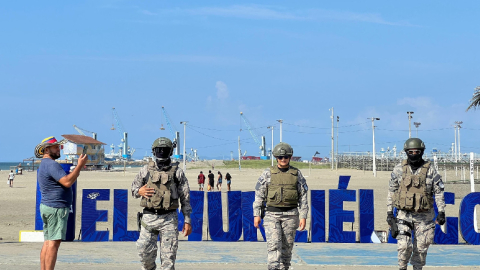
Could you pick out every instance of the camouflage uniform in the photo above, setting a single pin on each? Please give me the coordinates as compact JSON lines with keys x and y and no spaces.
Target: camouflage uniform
{"x":423,"y":225}
{"x":166,"y":225}
{"x":280,"y":227}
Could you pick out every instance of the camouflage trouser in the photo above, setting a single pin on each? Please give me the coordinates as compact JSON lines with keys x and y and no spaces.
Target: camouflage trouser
{"x":167,"y":227}
{"x":424,"y":231}
{"x":280,"y":231}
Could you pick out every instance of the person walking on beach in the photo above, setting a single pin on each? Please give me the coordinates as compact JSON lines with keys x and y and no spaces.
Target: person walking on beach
{"x":413,"y":184}
{"x":211,"y":181}
{"x":10,"y":178}
{"x":55,"y":187}
{"x":286,"y":206}
{"x":161,"y":185}
{"x":229,"y":180}
{"x":219,"y":181}
{"x":201,"y":181}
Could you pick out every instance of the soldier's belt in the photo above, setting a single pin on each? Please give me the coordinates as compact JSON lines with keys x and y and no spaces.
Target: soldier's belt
{"x":152,"y":211}
{"x":279,"y":209}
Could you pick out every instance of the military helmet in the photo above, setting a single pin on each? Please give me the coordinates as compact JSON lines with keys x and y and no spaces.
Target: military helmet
{"x":413,"y":143}
{"x":162,"y":142}
{"x":282,"y":149}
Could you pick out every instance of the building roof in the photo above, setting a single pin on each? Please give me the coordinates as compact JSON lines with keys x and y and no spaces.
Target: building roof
{"x":81,"y":139}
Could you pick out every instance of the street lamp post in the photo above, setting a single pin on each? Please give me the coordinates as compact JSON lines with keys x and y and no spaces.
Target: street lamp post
{"x":410,"y":124}
{"x":336,"y":154}
{"x":271,"y":151}
{"x":374,"y":168}
{"x":333,"y":153}
{"x":281,"y":130}
{"x":184,"y":123}
{"x":417,"y":124}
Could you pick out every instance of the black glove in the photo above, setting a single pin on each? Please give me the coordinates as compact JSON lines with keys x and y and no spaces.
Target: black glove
{"x":390,"y":217}
{"x":392,"y":221}
{"x":441,"y":218}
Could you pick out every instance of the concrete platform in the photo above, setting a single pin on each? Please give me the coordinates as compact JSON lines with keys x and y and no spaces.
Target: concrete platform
{"x":236,"y":255}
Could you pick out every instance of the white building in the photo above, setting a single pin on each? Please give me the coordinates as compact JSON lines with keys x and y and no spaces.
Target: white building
{"x":76,"y":145}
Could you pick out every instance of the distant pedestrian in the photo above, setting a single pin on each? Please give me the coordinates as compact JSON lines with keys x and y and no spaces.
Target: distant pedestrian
{"x":11,"y":176}
{"x":229,"y":180}
{"x":219,"y":181}
{"x":201,"y":181}
{"x":211,"y":181}
{"x":55,"y":187}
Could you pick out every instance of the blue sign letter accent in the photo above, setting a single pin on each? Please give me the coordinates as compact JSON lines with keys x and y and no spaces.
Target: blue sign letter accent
{"x":90,"y":214}
{"x":451,"y":235}
{"x":343,"y":181}
{"x":120,"y":217}
{"x":338,"y":216}
{"x":367,"y":219}
{"x":467,"y":208}
{"x":318,"y":215}
{"x":234,"y":216}
{"x":249,"y":230}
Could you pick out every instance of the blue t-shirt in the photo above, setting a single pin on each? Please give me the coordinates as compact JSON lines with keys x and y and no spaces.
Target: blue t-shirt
{"x":53,"y":193}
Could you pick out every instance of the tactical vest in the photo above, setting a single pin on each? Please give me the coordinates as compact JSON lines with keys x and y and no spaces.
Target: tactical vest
{"x":412,"y":194}
{"x":166,"y":194}
{"x":282,"y":190}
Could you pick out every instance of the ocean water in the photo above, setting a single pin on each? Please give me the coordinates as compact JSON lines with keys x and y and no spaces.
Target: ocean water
{"x":5,"y":166}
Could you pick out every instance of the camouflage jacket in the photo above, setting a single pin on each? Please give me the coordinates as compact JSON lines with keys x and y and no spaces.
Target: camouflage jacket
{"x":261,"y":194}
{"x":434,"y":185}
{"x":182,"y":188}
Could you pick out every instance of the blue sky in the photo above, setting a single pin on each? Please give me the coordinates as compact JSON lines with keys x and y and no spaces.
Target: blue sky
{"x":69,"y":63}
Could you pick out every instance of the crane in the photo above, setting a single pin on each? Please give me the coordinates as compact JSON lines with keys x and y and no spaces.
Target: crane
{"x":82,"y":131}
{"x":263,"y":153}
{"x":126,"y":151}
{"x":175,"y":134}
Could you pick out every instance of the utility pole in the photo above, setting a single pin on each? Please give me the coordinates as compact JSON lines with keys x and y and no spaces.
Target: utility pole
{"x":410,"y":124}
{"x":417,"y":124}
{"x":281,"y":130}
{"x":458,"y":123}
{"x":333,"y":153}
{"x":336,"y":164}
{"x":184,"y":149}
{"x":239,"y":155}
{"x":271,"y":151}
{"x":373,"y":131}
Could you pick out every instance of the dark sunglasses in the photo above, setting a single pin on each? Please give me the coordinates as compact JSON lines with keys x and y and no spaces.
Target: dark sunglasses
{"x":411,"y":152}
{"x":283,"y":157}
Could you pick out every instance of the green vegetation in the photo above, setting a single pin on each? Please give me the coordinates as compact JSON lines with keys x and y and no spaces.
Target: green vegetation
{"x":263,"y":164}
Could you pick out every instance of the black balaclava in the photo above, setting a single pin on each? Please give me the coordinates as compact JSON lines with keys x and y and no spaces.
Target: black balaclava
{"x":415,"y":160}
{"x":162,"y":156}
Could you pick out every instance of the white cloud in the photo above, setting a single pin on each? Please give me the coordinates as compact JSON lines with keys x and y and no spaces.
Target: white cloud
{"x":260,"y":12}
{"x":222,"y":90}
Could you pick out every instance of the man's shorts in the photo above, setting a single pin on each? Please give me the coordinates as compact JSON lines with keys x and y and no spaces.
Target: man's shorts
{"x":200,"y":185}
{"x":54,"y":222}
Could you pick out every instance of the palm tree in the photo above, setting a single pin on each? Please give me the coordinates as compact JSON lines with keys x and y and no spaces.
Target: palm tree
{"x":475,"y":101}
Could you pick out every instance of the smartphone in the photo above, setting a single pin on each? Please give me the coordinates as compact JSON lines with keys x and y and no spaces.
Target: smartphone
{"x":84,"y":150}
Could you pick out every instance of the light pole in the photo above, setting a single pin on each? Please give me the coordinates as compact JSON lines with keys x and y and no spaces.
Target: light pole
{"x":333,"y":153}
{"x":373,"y":130}
{"x":336,"y":163}
{"x":458,"y":126}
{"x":417,"y":124}
{"x":410,"y":124}
{"x":184,"y":123}
{"x":271,"y":151}
{"x":281,"y":122}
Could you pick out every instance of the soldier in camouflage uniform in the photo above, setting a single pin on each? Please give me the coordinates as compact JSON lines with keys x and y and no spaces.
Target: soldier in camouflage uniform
{"x":161,"y":185}
{"x":284,"y":190}
{"x":413,"y":184}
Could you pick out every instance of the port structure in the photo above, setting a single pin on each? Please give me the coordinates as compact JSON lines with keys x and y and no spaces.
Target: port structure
{"x":260,"y":142}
